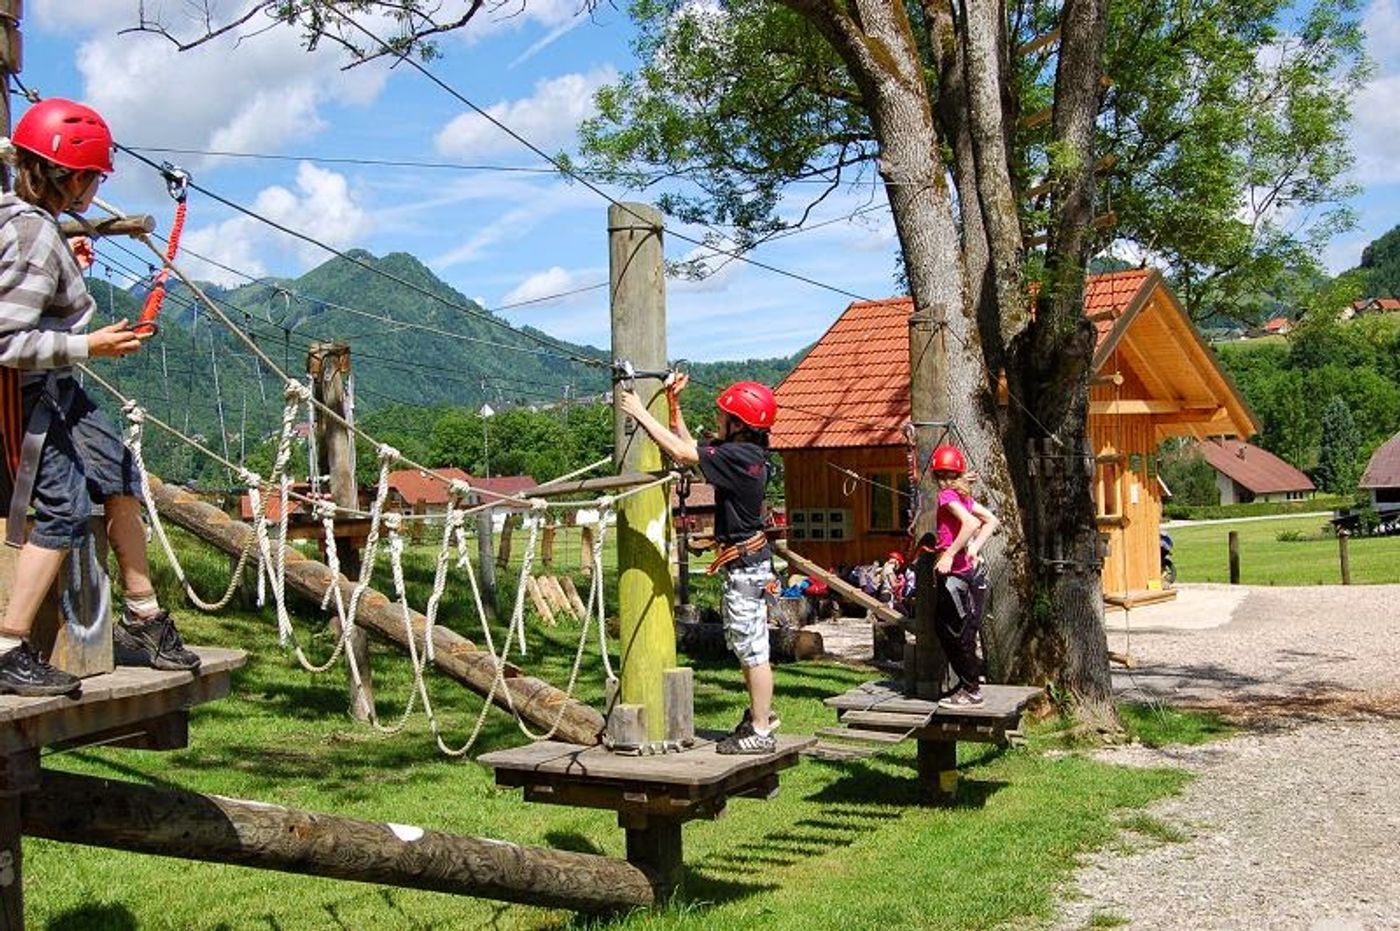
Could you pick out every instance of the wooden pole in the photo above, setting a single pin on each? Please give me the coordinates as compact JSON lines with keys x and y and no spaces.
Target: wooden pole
{"x":1343,"y":539}
{"x":110,"y":226}
{"x":486,"y":560}
{"x":929,"y":408}
{"x":329,"y":367}
{"x":11,"y":62}
{"x":19,"y":773}
{"x":645,"y":592}
{"x":125,"y":816}
{"x":1234,"y":557}
{"x":538,"y":702}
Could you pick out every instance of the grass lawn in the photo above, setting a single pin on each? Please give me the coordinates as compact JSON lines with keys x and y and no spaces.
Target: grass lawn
{"x":843,"y":846}
{"x":1304,"y":556}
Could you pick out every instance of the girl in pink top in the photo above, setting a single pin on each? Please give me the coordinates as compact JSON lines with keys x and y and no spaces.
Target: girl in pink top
{"x":962,"y":527}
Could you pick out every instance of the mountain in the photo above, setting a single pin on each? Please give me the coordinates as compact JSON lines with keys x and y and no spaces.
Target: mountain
{"x":414,"y":341}
{"x":1380,"y":263}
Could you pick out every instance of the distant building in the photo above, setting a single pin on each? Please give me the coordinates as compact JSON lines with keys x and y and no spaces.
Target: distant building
{"x":1371,"y":306}
{"x":1382,"y":477}
{"x":1245,"y":473}
{"x":1276,"y":326}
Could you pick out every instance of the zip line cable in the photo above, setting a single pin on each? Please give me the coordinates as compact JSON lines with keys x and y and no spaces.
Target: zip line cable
{"x":568,"y":171}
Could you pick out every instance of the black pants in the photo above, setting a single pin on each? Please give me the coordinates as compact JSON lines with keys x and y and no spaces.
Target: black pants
{"x":962,"y":599}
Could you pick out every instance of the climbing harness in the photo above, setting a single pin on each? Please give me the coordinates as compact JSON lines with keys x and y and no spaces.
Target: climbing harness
{"x":177,"y":184}
{"x":733,"y":551}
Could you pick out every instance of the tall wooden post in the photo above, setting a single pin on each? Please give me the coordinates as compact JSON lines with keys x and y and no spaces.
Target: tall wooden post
{"x":645,"y":592}
{"x":928,"y":408}
{"x":1342,"y":539}
{"x":329,"y":366}
{"x":11,"y":62}
{"x":486,"y":560}
{"x":1234,"y":542}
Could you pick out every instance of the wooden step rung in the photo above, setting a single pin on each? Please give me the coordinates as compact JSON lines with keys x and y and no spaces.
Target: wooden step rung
{"x":883,"y":720}
{"x":858,"y":734}
{"x":826,"y":751}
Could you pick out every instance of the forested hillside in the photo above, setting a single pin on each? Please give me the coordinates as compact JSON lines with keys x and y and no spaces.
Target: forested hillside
{"x":424,"y":364}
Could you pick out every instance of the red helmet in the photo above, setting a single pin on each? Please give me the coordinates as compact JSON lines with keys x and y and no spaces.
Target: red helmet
{"x":751,"y":402}
{"x":948,"y":459}
{"x":897,"y":556}
{"x":66,"y":133}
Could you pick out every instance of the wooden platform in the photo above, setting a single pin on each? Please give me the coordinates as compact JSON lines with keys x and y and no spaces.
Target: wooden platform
{"x":114,"y":701}
{"x":878,"y":715}
{"x":1138,"y":597}
{"x":128,"y":707}
{"x":652,"y":795}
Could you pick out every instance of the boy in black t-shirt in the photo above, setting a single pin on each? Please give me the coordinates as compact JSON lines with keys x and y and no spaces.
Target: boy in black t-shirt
{"x":736,"y":464}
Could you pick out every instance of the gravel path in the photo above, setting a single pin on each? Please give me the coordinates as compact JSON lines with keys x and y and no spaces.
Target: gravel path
{"x":1295,"y":824}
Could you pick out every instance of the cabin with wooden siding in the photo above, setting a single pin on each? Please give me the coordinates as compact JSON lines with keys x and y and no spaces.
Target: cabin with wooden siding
{"x":842,"y":412}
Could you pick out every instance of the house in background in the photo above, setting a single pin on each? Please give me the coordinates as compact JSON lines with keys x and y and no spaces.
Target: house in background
{"x":1246,"y":473}
{"x":699,"y":507}
{"x":843,"y":408}
{"x":413,"y":491}
{"x":1372,"y":306}
{"x":1382,"y":477}
{"x":1274,"y":326}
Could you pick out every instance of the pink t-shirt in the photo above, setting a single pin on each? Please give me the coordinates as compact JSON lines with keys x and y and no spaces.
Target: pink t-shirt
{"x":948,"y":525}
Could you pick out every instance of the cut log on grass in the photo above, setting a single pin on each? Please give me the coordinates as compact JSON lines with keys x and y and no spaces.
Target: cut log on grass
{"x":124,"y":816}
{"x":571,"y":592}
{"x":794,"y":644}
{"x":552,"y":590}
{"x":542,"y":608}
{"x":537,"y":701}
{"x":1126,"y":660}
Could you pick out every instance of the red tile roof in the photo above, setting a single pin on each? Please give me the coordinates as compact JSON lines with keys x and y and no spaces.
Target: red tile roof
{"x":1278,"y":325}
{"x":1383,"y":471}
{"x":852,"y":389}
{"x":274,"y":503}
{"x":1253,"y":468}
{"x":702,"y":496}
{"x":505,"y":484}
{"x":414,"y":486}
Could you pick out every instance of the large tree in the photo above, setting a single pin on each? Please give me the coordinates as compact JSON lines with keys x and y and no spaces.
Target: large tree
{"x":983,"y":137}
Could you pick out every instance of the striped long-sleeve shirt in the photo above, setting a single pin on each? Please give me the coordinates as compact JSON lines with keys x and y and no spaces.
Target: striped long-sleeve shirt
{"x":44,"y":302}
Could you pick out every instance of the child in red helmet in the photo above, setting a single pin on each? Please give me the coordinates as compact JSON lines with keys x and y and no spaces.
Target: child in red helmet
{"x":736,"y":464}
{"x":962,"y":528}
{"x":71,"y":455}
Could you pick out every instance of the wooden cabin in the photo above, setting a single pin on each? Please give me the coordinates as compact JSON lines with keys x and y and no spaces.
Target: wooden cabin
{"x":847,"y":464}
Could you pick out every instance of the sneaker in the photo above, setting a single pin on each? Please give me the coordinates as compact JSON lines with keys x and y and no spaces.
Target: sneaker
{"x":745,"y":725}
{"x":152,"y":642}
{"x":23,"y":673}
{"x":962,"y":699}
{"x":750,"y":743}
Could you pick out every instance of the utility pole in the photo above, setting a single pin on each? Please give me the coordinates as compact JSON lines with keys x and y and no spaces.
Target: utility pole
{"x":328,"y":364}
{"x":645,"y":592}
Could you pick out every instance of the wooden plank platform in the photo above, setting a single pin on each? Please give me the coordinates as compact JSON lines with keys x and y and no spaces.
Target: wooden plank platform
{"x":124,"y":697}
{"x":1138,"y":597}
{"x":999,"y":701}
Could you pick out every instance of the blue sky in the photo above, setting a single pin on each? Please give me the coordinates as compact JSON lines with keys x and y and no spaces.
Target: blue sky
{"x":499,"y":237}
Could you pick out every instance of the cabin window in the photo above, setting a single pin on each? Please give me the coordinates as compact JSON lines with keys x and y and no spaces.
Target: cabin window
{"x":889,"y":501}
{"x":1108,"y":488}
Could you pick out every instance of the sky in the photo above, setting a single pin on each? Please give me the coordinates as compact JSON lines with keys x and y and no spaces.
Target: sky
{"x":501,"y":237}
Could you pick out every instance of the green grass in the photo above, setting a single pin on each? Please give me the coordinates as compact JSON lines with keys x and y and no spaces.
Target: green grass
{"x":843,"y":846}
{"x":1202,"y":554}
{"x":1160,"y":726}
{"x":1155,"y":828}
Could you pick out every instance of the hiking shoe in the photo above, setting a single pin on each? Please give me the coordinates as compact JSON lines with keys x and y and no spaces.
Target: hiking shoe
{"x":962,"y":699}
{"x":745,"y":725}
{"x":22,"y":672}
{"x":152,"y":642}
{"x":751,"y":743}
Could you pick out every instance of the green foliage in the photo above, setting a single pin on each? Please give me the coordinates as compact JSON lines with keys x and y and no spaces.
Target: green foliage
{"x":1230,"y":119}
{"x":1160,"y":726}
{"x":1191,"y":479}
{"x":1175,"y":511}
{"x":1201,"y":554}
{"x":1380,"y":265}
{"x":1340,"y":463}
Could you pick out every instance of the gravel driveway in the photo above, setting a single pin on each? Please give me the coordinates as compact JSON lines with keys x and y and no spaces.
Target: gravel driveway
{"x":1296,"y":822}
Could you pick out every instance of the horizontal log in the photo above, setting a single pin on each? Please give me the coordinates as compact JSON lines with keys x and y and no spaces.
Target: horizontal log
{"x":110,"y":226}
{"x":842,"y":588}
{"x":173,"y":823}
{"x":537,"y":701}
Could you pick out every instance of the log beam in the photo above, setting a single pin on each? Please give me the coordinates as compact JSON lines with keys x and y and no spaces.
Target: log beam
{"x":110,"y":226}
{"x":124,"y":816}
{"x":537,"y":701}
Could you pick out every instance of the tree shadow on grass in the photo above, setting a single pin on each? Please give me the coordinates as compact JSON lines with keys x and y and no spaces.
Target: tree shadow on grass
{"x":110,"y":916}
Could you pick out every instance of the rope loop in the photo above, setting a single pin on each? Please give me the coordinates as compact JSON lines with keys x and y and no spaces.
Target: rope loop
{"x":539,"y":504}
{"x":134,"y":412}
{"x":606,"y":503}
{"x":324,"y":510}
{"x":388,"y":453}
{"x":393,"y":521}
{"x":459,"y":489}
{"x":456,"y":519}
{"x":250,"y":478}
{"x":295,"y":391}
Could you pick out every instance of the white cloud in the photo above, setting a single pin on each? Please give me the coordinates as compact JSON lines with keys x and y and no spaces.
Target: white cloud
{"x":322,"y":206}
{"x":548,"y":118}
{"x":1375,"y":119}
{"x":550,"y":287}
{"x":256,"y":94}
